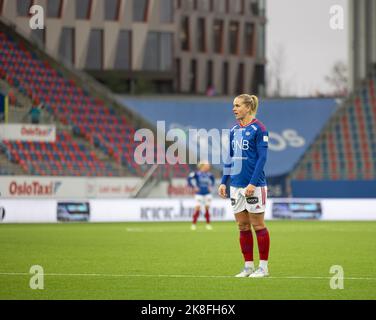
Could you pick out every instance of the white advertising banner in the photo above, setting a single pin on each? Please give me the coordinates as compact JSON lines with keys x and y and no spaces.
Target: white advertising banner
{"x":66,"y":187}
{"x":28,"y":211}
{"x":111,"y":187}
{"x":28,"y":132}
{"x":153,"y":210}
{"x":163,"y":210}
{"x":42,"y":187}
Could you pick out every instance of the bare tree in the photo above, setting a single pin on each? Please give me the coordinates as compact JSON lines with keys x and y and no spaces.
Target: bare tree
{"x":277,"y":83}
{"x":338,"y":79}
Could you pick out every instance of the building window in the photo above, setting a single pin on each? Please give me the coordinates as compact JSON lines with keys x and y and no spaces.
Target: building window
{"x":201,"y":35}
{"x":240,"y":79}
{"x":83,"y":9}
{"x":188,"y":4}
{"x":193,"y":76}
{"x":158,"y":52}
{"x":249,"y":38}
{"x":167,"y":11}
{"x":257,"y":7}
{"x":218,"y":36}
{"x":203,"y":5}
{"x":111,"y":9}
{"x":39,"y":36}
{"x":123,"y":51}
{"x":225,"y":74}
{"x":236,"y":6}
{"x":234,"y":37}
{"x":261,"y":41}
{"x":94,"y":56}
{"x":23,"y":7}
{"x":140,"y":10}
{"x":258,"y":81}
{"x":209,"y":74}
{"x":67,"y":46}
{"x":185,"y":34}
{"x":54,"y":8}
{"x":220,"y":6}
{"x":177,"y":75}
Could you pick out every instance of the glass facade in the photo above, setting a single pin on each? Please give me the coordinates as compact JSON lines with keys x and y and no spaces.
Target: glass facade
{"x":94,"y":57}
{"x":66,"y":44}
{"x":54,"y":8}
{"x":83,"y":8}
{"x":201,"y":35}
{"x":167,"y":11}
{"x":158,"y":52}
{"x":123,"y":51}
{"x":111,"y":9}
{"x":23,"y":7}
{"x":140,"y":10}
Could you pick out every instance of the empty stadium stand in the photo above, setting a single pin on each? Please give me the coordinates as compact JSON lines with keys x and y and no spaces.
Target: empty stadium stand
{"x":346,"y":149}
{"x":64,"y":157}
{"x":73,"y":106}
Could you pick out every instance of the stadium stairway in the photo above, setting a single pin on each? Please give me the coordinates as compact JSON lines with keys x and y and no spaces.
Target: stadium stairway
{"x":74,"y":100}
{"x":346,"y":148}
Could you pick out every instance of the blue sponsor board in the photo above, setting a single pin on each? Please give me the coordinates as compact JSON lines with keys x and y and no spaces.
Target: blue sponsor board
{"x":293,"y":124}
{"x":73,"y":211}
{"x":2,"y":107}
{"x":297,"y":210}
{"x":333,"y":189}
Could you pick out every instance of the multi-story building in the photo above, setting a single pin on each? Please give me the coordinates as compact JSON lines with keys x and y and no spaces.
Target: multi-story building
{"x":183,"y":46}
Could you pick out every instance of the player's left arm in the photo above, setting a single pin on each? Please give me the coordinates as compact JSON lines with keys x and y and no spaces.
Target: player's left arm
{"x":190,"y":179}
{"x":262,"y":139}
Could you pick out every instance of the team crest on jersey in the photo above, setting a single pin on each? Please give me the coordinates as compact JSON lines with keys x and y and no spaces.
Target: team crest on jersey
{"x":247,"y":133}
{"x":266,"y":138}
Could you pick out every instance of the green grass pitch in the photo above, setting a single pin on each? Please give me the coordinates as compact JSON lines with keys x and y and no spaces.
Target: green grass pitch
{"x":169,"y":261}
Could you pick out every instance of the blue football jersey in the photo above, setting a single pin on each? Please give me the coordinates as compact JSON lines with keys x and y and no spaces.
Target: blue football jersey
{"x":204,"y":181}
{"x":248,"y":152}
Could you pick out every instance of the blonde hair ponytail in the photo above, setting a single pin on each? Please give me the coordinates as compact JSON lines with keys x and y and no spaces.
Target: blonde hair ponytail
{"x":250,"y":100}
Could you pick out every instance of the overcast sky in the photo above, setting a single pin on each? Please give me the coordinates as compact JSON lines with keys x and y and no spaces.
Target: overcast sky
{"x":300,"y":29}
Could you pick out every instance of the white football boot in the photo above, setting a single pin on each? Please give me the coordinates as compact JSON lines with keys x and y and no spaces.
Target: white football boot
{"x":260,"y":273}
{"x":193,"y":227}
{"x":209,"y":227}
{"x":245,"y":273}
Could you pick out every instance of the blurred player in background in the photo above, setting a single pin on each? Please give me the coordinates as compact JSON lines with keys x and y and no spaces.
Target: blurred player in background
{"x":248,"y":151}
{"x":202,"y":181}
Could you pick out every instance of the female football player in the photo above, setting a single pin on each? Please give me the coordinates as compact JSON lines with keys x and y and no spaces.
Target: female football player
{"x":248,"y":151}
{"x":202,"y":181}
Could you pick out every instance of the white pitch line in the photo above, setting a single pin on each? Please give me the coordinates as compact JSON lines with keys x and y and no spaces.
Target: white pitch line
{"x":169,"y":276}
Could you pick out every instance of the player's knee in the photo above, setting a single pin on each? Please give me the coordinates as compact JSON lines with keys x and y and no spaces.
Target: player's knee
{"x":244,"y":226}
{"x":197,"y":208}
{"x":258,"y":226}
